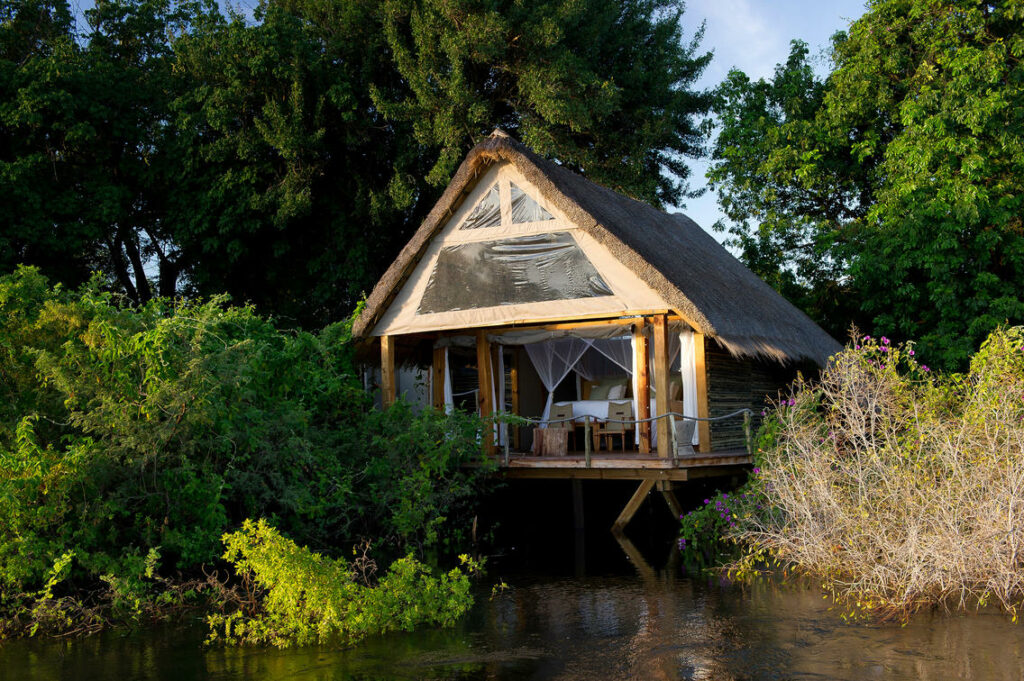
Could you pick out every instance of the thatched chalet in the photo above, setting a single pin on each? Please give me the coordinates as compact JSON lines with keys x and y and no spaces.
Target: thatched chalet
{"x":534,"y":291}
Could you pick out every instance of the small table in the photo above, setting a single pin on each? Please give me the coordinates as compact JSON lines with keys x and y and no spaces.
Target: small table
{"x":550,"y":441}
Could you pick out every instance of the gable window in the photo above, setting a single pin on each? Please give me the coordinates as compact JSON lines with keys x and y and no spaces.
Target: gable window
{"x":523,"y":208}
{"x":528,"y":269}
{"x":486,"y":213}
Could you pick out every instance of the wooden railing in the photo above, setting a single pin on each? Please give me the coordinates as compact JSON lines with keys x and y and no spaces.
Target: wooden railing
{"x":747,"y":414}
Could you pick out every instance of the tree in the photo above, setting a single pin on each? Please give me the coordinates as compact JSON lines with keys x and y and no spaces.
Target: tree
{"x":40,"y":106}
{"x":604,"y":87}
{"x":321,"y":135}
{"x":86,"y":146}
{"x":288,"y":194}
{"x":285,"y":160}
{"x":783,"y":218}
{"x":924,"y":105}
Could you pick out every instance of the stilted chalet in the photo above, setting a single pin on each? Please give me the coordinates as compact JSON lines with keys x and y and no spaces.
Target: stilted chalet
{"x":540,"y":293}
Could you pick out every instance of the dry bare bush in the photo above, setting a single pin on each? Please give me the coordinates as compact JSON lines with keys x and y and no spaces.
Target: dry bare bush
{"x":902,"y":489}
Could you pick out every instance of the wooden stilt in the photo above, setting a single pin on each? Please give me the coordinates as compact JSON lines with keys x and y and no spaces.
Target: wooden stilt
{"x":577,"y":504}
{"x":673,"y":504}
{"x":674,"y":507}
{"x":387,"y":371}
{"x":437,"y":377}
{"x":632,"y":506}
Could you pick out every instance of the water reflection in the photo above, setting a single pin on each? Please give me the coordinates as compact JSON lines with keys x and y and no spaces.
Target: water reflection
{"x":656,"y":624}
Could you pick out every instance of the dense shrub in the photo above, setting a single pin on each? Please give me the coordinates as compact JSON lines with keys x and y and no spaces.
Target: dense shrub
{"x":902,"y":489}
{"x":133,"y":438}
{"x":305,"y":597}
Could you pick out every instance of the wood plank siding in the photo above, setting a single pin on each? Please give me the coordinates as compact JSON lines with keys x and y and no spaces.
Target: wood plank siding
{"x":737,"y":383}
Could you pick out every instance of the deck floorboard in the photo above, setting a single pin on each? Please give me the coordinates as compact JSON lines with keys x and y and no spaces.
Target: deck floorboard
{"x":627,"y":466}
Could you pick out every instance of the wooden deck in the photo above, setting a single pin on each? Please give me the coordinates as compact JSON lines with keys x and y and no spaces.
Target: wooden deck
{"x":627,"y":466}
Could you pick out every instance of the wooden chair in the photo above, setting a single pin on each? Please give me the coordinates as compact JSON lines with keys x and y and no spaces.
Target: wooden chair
{"x":682,"y":436}
{"x":559,"y":412}
{"x":617,"y":411}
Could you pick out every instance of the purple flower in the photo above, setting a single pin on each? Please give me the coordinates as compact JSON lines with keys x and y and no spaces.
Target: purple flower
{"x":924,"y":368}
{"x":707,"y":501}
{"x":757,"y":470}
{"x":911,"y":353}
{"x":866,"y":338}
{"x":885,"y":341}
{"x":884,"y":349}
{"x":856,"y":347}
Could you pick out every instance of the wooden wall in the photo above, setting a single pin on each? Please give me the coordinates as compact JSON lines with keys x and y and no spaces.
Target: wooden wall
{"x":737,"y":383}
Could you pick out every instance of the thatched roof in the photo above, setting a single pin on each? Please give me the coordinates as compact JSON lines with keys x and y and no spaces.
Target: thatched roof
{"x":694,"y":274}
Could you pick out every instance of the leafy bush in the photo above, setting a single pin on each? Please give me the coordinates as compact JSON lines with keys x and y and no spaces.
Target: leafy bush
{"x":900,"y":488}
{"x":127,"y":430}
{"x":704,"y":535}
{"x":307,"y":598}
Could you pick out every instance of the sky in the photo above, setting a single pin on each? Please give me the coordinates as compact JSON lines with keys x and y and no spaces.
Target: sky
{"x":753,"y":36}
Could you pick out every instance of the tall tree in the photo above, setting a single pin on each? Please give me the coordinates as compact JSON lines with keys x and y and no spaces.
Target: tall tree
{"x":915,"y":141}
{"x":86,"y":142}
{"x":41,"y":107}
{"x":285,"y":159}
{"x":288,"y":193}
{"x":324,"y":132}
{"x":605,"y":87}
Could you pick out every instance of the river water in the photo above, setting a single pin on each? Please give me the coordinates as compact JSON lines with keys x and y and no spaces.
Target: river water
{"x":589,"y":608}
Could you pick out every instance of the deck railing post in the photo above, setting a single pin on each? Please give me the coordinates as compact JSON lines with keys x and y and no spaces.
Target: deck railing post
{"x":586,"y":439}
{"x":746,"y":433}
{"x":672,"y":431}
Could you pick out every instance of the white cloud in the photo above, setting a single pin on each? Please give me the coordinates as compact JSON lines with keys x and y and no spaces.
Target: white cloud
{"x":742,"y":34}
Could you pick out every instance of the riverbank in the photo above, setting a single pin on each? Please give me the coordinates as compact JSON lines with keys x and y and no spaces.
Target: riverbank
{"x":611,"y":622}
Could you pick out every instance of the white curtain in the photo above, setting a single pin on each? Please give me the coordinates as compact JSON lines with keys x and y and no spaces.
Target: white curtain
{"x":554,"y":359}
{"x":617,"y":350}
{"x":688,"y":369}
{"x":449,"y":399}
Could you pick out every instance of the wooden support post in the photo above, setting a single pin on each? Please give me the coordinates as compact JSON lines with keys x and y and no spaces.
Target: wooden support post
{"x":484,"y":374}
{"x":643,"y":383}
{"x":387,"y":371}
{"x":577,"y":504}
{"x":514,"y":378}
{"x":632,"y":506}
{"x":703,"y":405}
{"x":665,"y":487}
{"x":438,"y":371}
{"x":661,"y":384}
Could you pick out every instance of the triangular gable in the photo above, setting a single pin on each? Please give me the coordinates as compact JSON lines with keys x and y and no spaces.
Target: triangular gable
{"x":525,"y":260}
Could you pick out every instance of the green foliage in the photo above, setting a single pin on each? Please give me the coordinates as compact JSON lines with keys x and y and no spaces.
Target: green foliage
{"x":131,"y":431}
{"x":901,"y":173}
{"x":601,"y":86}
{"x":88,"y":161}
{"x":285,"y":159}
{"x":308,"y":598}
{"x":899,"y":488}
